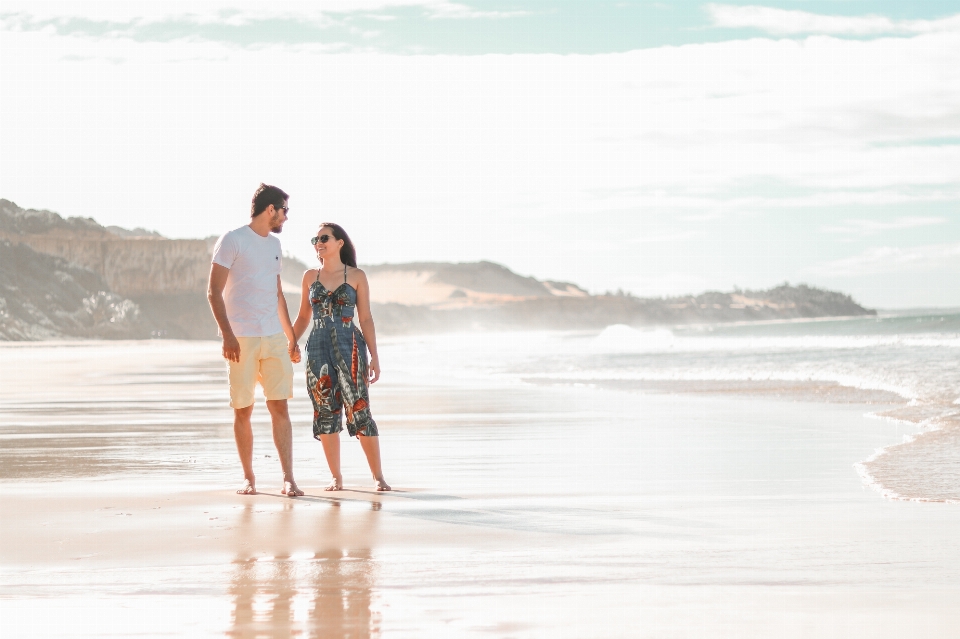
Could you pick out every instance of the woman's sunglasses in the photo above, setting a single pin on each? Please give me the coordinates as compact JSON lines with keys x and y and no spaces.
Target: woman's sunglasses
{"x":323,"y":239}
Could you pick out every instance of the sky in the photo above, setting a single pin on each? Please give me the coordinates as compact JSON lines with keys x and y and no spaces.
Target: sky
{"x":661,"y":148}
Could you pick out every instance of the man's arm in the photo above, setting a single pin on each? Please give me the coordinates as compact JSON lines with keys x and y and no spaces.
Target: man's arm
{"x":218,"y":280}
{"x":292,"y":347}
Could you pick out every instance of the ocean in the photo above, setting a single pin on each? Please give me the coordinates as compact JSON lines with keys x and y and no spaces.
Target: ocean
{"x":906,"y":362}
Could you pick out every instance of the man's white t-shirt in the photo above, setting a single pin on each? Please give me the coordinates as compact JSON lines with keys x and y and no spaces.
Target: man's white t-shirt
{"x":251,"y":291}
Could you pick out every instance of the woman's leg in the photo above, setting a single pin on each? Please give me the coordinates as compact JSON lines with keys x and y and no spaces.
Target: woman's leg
{"x":331,"y":449}
{"x":371,"y":448}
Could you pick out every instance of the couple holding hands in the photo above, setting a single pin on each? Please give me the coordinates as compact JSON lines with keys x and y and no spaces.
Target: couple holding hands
{"x":260,"y":343}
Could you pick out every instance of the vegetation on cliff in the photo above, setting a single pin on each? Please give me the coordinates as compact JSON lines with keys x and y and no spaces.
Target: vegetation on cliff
{"x":45,"y":297}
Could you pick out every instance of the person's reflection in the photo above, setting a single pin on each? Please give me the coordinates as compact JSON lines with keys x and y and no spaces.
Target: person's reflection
{"x":322,"y":594}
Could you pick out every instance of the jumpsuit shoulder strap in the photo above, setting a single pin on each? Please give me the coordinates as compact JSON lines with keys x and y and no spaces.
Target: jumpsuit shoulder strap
{"x":344,"y":273}
{"x":318,"y":275}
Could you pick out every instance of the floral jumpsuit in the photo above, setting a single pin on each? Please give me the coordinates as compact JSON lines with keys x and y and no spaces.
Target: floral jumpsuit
{"x":337,"y":363}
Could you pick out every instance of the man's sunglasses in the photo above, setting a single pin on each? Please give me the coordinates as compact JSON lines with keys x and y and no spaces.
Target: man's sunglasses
{"x":323,"y":239}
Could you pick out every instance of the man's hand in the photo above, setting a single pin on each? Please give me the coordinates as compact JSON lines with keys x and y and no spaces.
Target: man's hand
{"x":294,"y":350}
{"x":231,"y":348}
{"x":374,"y":369}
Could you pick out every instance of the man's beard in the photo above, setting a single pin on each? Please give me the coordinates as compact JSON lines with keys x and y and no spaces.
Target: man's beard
{"x":276,"y":226}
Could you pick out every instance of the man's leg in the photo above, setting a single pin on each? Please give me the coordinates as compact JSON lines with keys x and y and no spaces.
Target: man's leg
{"x":283,"y":438}
{"x":243,"y":378}
{"x":243,"y":433}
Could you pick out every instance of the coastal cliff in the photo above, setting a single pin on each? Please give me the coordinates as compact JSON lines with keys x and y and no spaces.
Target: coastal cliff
{"x":129,"y":264}
{"x":71,"y":277}
{"x":160,"y":283}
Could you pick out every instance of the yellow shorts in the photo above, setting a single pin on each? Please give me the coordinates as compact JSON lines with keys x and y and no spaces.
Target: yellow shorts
{"x":264,"y":360}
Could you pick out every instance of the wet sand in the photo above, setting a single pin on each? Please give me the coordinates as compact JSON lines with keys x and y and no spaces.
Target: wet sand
{"x":523,"y":511}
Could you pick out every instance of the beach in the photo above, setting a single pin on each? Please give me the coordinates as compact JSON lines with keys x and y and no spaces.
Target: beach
{"x":665,"y":319}
{"x":542,"y":491}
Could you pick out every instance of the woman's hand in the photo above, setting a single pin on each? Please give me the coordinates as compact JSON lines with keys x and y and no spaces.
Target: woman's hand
{"x":374,"y":369}
{"x":294,"y":350}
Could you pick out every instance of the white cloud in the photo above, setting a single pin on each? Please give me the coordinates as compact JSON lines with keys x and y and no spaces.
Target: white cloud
{"x":872,"y":227}
{"x":792,"y":22}
{"x":892,"y":259}
{"x":20,"y":14}
{"x":452,"y":10}
{"x":661,"y":238}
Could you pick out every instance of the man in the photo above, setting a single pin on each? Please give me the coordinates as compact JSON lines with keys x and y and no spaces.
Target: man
{"x":258,"y":344}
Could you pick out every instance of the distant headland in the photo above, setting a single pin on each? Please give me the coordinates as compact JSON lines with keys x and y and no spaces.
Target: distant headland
{"x":71,"y":277}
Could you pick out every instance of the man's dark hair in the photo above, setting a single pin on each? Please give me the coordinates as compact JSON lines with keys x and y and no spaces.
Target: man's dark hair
{"x":264,"y":197}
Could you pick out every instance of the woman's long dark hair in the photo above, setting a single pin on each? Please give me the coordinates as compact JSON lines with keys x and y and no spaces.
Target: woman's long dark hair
{"x":348,"y":254}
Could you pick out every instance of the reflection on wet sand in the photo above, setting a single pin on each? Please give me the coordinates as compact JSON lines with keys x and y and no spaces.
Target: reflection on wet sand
{"x":324,"y":593}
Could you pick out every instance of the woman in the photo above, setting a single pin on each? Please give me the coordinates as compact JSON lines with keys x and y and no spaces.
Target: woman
{"x":337,"y":370}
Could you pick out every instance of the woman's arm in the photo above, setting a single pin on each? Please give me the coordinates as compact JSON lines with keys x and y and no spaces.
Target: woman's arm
{"x":365,"y":317}
{"x":304,"y":315}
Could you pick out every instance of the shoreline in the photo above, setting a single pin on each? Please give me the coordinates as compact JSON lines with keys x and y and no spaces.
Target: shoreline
{"x":927,"y":422}
{"x":504,"y":327}
{"x":786,"y":390}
